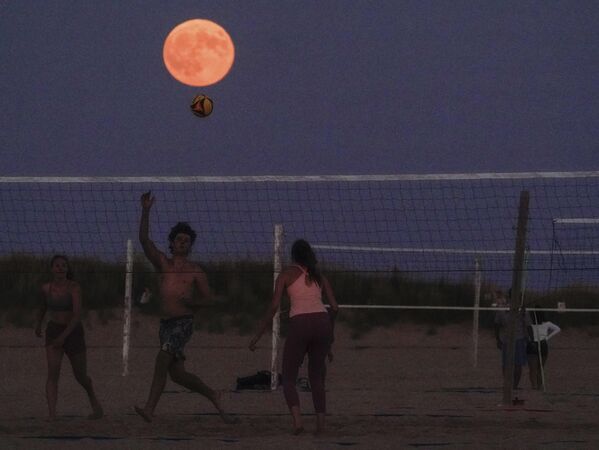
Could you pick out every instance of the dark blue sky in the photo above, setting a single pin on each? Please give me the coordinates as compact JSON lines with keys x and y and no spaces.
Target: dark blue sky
{"x":317,"y":87}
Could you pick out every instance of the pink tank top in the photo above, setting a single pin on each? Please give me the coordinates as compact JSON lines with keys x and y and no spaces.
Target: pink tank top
{"x":304,"y":299}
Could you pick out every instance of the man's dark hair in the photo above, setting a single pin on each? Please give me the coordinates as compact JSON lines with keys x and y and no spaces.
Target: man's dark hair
{"x":184,"y":228}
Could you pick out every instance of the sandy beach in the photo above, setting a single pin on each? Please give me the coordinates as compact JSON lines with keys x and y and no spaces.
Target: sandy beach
{"x":408,"y":386}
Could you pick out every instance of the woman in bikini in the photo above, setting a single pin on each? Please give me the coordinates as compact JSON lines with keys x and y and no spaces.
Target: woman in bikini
{"x":61,"y":299}
{"x":310,"y":329}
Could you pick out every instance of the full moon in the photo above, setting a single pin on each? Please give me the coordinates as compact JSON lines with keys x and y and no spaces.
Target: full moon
{"x":198,"y":52}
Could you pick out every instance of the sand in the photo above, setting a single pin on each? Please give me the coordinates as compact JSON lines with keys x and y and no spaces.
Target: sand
{"x":408,"y":386}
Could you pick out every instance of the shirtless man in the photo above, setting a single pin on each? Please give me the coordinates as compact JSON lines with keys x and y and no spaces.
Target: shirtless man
{"x":178,"y":277}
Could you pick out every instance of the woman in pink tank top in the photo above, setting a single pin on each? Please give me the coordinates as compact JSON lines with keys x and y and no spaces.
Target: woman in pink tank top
{"x":310,"y":329}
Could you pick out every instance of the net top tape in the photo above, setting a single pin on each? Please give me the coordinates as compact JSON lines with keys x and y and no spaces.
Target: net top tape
{"x":300,"y":178}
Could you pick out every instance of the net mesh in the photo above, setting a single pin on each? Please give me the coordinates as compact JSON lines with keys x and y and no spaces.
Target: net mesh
{"x":425,"y":228}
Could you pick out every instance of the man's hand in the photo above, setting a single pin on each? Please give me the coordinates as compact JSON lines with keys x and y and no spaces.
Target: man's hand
{"x":253,"y":342}
{"x":147,"y":200}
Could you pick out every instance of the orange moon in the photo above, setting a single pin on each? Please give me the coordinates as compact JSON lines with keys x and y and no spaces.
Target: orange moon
{"x":198,"y":52}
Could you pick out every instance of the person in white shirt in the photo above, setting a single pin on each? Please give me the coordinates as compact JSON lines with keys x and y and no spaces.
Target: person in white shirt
{"x":540,"y":332}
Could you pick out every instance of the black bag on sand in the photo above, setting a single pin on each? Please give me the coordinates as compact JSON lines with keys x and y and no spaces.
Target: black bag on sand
{"x":260,"y":381}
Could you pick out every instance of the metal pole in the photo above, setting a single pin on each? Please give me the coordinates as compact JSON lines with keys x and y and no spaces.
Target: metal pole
{"x":475,"y":314}
{"x":127,"y":307}
{"x":276,"y":320}
{"x":515,"y":298}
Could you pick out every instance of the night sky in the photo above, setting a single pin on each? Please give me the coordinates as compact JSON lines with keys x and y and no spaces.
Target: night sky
{"x":317,"y":87}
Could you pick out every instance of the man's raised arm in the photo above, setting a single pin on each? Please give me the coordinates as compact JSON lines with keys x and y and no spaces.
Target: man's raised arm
{"x":150,"y":250}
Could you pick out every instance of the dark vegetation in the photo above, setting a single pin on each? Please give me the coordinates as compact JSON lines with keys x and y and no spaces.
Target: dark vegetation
{"x":243,"y":290}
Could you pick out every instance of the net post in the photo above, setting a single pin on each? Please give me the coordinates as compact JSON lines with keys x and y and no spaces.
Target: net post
{"x":276,"y":320}
{"x":517,"y":282}
{"x":476,"y":312}
{"x":127,"y":307}
{"x":541,"y":368}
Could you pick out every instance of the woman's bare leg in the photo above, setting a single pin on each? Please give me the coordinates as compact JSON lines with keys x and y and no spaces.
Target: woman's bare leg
{"x":296,"y":415}
{"x":79,"y":364}
{"x":320,"y":423}
{"x":54,"y":357}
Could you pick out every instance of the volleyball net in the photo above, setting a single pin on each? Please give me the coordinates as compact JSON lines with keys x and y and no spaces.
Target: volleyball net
{"x":427,"y":244}
{"x":425,"y":226}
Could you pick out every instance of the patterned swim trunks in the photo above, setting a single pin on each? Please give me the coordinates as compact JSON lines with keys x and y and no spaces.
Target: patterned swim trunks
{"x":174,"y":334}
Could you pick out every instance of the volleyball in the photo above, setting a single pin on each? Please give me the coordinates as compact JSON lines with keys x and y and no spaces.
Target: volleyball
{"x":201,"y":105}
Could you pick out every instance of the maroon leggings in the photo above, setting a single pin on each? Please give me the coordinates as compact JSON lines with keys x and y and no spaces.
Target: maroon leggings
{"x":308,"y":333}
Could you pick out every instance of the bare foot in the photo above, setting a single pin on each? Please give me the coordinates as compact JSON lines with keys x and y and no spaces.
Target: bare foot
{"x":217,"y":400}
{"x":298,"y":426}
{"x":319,"y":431}
{"x":145,"y":416}
{"x":97,"y":412}
{"x":228,"y":419}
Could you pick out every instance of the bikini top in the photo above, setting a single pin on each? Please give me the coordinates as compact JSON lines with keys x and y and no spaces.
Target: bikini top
{"x":63,"y":302}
